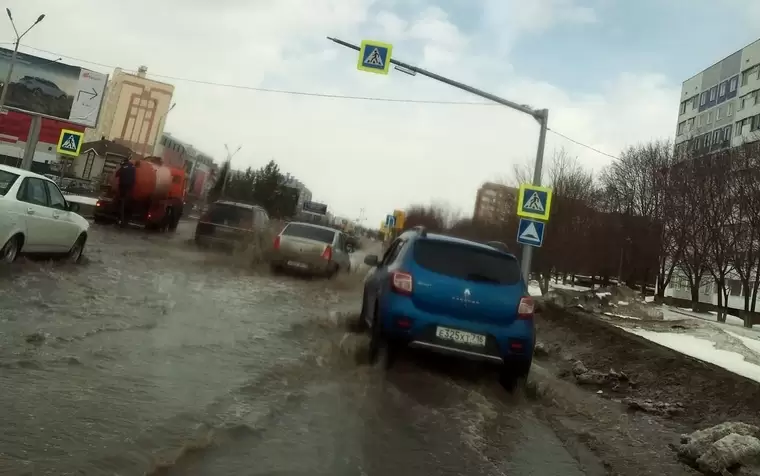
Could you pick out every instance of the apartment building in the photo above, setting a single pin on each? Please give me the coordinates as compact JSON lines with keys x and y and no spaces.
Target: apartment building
{"x":720,"y":107}
{"x":494,"y":203}
{"x":304,"y":194}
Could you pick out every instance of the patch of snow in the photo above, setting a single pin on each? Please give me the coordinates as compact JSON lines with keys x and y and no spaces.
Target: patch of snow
{"x":569,"y":287}
{"x":710,"y":317}
{"x":702,"y":349}
{"x":623,"y":303}
{"x":750,"y":343}
{"x":534,"y":290}
{"x":622,"y":316}
{"x":649,"y":299}
{"x":601,"y":295}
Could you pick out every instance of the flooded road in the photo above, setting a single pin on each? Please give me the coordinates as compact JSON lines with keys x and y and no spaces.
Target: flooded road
{"x":158,"y":358}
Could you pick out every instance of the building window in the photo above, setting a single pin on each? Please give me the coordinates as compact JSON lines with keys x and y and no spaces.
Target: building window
{"x":683,"y":108}
{"x":718,"y":113}
{"x":733,"y":83}
{"x":717,"y":136}
{"x":739,"y":126}
{"x":713,"y":92}
{"x":742,"y":103}
{"x":730,"y":109}
{"x":689,"y":124}
{"x":694,"y":102}
{"x":727,"y":133}
{"x":681,"y":128}
{"x":702,"y":120}
{"x":722,"y":90}
{"x":702,"y":99}
{"x":748,"y":72}
{"x":709,"y":117}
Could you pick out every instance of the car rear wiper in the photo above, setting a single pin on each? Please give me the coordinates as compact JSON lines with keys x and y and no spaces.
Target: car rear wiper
{"x":482,"y":278}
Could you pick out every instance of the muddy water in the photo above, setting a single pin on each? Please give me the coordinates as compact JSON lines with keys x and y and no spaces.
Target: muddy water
{"x":155,"y":358}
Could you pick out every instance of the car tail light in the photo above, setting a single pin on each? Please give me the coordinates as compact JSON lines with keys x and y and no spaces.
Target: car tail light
{"x":276,"y":244}
{"x":99,"y":203}
{"x":327,"y":253}
{"x":525,"y":309}
{"x":404,"y":323}
{"x":401,"y":282}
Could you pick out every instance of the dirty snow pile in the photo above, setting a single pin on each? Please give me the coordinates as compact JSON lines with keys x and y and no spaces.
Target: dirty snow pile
{"x":615,"y":301}
{"x":728,"y":449}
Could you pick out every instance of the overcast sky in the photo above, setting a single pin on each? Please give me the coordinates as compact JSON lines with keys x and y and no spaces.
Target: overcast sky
{"x":609,"y":71}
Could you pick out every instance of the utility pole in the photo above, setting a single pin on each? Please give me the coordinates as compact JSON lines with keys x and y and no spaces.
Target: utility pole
{"x":16,"y":44}
{"x":229,"y":167}
{"x":540,"y":115}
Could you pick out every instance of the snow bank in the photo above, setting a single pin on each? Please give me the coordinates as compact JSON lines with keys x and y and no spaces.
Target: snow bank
{"x":751,"y":344}
{"x":701,"y":349}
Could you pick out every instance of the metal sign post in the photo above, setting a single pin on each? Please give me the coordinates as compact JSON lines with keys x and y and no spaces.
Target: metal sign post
{"x":540,"y":115}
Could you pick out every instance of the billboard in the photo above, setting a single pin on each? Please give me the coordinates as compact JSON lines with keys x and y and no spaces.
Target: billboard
{"x":55,"y":89}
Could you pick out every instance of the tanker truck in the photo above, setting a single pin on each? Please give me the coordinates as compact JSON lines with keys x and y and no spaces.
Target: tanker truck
{"x":156,"y":201}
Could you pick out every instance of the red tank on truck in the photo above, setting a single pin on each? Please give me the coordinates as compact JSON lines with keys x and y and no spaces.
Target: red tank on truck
{"x":157,"y":199}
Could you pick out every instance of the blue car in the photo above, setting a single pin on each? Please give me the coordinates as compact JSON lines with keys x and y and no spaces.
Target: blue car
{"x":451,"y":296}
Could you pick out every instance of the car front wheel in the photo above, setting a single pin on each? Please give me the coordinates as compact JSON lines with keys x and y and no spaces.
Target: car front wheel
{"x":77,"y":250}
{"x":10,"y":250}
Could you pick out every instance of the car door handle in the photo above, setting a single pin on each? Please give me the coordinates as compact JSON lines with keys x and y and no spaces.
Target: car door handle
{"x":30,"y":211}
{"x":56,"y":215}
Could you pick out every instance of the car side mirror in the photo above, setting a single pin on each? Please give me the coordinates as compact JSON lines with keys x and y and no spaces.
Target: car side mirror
{"x":371,"y":260}
{"x":72,"y":207}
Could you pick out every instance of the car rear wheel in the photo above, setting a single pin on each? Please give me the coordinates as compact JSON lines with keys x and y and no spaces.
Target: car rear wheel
{"x":10,"y":250}
{"x":513,"y":374}
{"x":381,"y":351}
{"x":361,"y":322}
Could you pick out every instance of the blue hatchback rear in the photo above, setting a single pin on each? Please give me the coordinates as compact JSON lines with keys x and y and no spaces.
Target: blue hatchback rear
{"x":451,"y":296}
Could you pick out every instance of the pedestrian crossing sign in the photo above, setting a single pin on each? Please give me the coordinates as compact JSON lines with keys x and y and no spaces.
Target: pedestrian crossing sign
{"x":534,"y":202}
{"x":375,"y":57}
{"x":70,"y":142}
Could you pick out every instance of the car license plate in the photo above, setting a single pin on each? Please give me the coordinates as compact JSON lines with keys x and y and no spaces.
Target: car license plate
{"x":296,"y":264}
{"x":460,"y":337}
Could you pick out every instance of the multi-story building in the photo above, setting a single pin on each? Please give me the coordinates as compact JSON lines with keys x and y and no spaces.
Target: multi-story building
{"x":198,"y":166}
{"x":720,"y":107}
{"x":134,"y":111}
{"x":494,"y":203}
{"x":304,"y":194}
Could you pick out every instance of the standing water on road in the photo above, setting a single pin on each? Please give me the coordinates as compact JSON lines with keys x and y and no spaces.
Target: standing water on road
{"x":153,"y":358}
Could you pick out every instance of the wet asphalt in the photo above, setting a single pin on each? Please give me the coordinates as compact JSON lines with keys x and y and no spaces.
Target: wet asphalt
{"x":155,"y":357}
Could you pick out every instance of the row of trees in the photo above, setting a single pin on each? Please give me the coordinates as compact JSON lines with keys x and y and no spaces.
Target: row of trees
{"x":646,"y":217}
{"x":264,"y":186}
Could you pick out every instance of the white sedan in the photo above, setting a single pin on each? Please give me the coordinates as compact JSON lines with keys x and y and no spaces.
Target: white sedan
{"x":35,"y":218}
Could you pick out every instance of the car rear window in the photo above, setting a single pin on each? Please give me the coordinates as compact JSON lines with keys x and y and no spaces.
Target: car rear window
{"x":466,"y":262}
{"x":229,"y":215}
{"x":309,"y":232}
{"x":7,"y":180}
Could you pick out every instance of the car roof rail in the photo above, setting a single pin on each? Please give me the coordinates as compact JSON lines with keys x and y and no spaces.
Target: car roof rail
{"x":498,"y":245}
{"x":421,"y":230}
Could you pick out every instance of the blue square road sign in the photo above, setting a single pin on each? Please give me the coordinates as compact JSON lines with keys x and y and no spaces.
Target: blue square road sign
{"x":530,"y":232}
{"x":390,"y":221}
{"x":375,"y":57}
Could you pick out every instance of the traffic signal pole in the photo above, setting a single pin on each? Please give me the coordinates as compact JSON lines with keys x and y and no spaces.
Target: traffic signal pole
{"x":540,"y":115}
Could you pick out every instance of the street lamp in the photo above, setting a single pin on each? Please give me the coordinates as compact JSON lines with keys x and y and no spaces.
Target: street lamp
{"x":158,"y":128}
{"x":7,"y":83}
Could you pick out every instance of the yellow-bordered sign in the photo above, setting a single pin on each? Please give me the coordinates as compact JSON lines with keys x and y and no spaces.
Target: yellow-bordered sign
{"x":70,"y":142}
{"x":534,"y":202}
{"x":375,"y":57}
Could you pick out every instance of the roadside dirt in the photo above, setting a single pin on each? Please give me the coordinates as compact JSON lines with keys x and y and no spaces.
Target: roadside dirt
{"x":706,"y":394}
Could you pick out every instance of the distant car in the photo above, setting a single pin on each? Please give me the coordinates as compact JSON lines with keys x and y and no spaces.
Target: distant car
{"x":451,"y":296}
{"x":230,"y":223}
{"x":312,"y":249}
{"x":42,"y":86}
{"x":35,"y":218}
